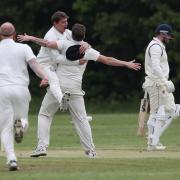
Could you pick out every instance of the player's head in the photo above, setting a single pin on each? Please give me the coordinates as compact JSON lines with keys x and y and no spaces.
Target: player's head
{"x":7,"y":30}
{"x":60,"y":21}
{"x":164,"y":31}
{"x":78,"y":32}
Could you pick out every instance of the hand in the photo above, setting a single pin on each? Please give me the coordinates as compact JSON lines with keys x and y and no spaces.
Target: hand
{"x":169,"y":86}
{"x":23,"y":38}
{"x":133,"y":65}
{"x":82,"y":62}
{"x":44,"y":83}
{"x":84,"y":46}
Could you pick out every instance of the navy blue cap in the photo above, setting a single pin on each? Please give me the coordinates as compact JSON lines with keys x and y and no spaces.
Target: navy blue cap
{"x":164,"y":28}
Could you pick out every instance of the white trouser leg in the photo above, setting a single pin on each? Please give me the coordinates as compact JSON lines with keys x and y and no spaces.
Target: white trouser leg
{"x":44,"y":124}
{"x":82,"y":126}
{"x":151,"y":125}
{"x":48,"y":108}
{"x":54,"y":83}
{"x":160,"y":118}
{"x":7,"y":138}
{"x":165,"y":126}
{"x":14,"y":104}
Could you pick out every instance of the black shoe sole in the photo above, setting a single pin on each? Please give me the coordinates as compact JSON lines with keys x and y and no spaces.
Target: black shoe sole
{"x":38,"y":155}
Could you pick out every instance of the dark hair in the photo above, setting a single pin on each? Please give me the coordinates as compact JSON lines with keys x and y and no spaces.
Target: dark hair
{"x":78,"y":32}
{"x":58,"y":15}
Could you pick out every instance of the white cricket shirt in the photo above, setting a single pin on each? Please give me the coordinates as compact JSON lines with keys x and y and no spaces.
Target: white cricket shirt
{"x":156,"y":62}
{"x":71,"y":76}
{"x":13,"y":59}
{"x":44,"y":57}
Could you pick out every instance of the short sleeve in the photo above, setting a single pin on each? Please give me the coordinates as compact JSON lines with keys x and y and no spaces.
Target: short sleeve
{"x":91,"y":54}
{"x":29,"y":53}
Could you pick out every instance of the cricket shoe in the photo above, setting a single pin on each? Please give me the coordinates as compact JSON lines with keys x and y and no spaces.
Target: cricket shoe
{"x":39,"y":151}
{"x":65,"y":101}
{"x":158,"y":147}
{"x":13,"y":165}
{"x":91,"y":154}
{"x":18,"y":131}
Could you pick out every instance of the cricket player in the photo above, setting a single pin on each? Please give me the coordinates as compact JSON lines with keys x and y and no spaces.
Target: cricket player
{"x":49,"y":58}
{"x":71,"y":79}
{"x":14,"y":93}
{"x":162,"y":106}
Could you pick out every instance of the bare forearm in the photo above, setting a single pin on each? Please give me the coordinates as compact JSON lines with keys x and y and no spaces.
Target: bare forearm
{"x":115,"y":62}
{"x":37,"y":69}
{"x":39,"y":41}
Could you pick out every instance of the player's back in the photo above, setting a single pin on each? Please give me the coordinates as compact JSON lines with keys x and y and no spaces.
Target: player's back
{"x":14,"y":57}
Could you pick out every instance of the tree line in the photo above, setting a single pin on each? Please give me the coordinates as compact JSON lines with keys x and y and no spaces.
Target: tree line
{"x":118,"y":28}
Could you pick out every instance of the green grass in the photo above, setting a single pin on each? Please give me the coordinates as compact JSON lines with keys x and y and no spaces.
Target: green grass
{"x":121,"y":153}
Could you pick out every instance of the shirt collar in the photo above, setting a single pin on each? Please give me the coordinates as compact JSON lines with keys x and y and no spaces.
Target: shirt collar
{"x":77,"y":42}
{"x":5,"y":41}
{"x":160,"y":42}
{"x":56,"y":31}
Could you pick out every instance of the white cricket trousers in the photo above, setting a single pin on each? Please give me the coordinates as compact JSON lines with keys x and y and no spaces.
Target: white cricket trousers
{"x":158,"y":123}
{"x":14,"y":104}
{"x":159,"y":96}
{"x":53,"y":83}
{"x":78,"y":114}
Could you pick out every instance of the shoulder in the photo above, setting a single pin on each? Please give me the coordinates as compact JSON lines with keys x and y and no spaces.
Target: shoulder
{"x":68,"y":34}
{"x":22,"y":46}
{"x":91,"y":54}
{"x":51,"y":34}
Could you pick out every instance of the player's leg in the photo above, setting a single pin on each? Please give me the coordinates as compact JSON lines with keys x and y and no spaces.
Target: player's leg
{"x":6,"y":128}
{"x":54,"y":83}
{"x":166,"y":106}
{"x":21,"y":108}
{"x":150,"y":126}
{"x":82,"y":126}
{"x":48,"y":108}
{"x":171,"y":110}
{"x":154,"y":102}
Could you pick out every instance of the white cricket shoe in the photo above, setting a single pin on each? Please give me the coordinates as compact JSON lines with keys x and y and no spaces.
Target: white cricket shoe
{"x":91,"y":154}
{"x":39,"y":151}
{"x":158,"y":147}
{"x":18,"y":131}
{"x":65,"y":101}
{"x":13,"y":165}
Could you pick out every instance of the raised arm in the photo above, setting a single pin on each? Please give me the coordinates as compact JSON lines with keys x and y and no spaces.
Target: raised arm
{"x":39,"y":41}
{"x":115,"y":62}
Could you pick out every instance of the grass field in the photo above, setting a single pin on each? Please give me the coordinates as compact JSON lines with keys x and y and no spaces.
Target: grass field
{"x":121,"y":154}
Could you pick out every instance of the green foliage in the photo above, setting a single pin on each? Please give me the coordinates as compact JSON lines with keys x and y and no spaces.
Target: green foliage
{"x":118,"y":28}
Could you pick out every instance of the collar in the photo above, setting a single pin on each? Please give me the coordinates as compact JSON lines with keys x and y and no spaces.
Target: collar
{"x":5,"y":41}
{"x":76,"y":42}
{"x":160,"y":42}
{"x":56,"y":31}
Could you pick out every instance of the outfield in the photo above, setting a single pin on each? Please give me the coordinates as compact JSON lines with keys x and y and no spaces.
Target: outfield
{"x":121,"y":154}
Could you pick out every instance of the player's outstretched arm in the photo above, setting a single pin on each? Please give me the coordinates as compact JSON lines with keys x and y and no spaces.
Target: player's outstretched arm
{"x":115,"y":62}
{"x":39,"y":41}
